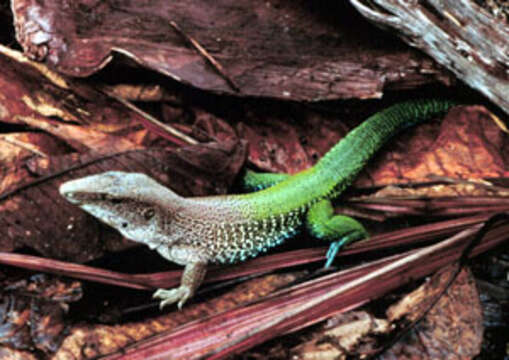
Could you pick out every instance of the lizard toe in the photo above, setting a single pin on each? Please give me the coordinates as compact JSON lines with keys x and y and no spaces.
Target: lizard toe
{"x":178,"y":295}
{"x":161,"y":293}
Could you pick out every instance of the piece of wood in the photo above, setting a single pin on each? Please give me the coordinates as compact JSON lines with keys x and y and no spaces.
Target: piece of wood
{"x":458,"y":34}
{"x":295,"y":50}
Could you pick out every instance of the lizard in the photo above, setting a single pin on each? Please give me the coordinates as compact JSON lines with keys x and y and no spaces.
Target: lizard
{"x":225,"y":229}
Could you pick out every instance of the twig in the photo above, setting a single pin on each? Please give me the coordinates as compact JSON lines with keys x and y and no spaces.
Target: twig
{"x":23,"y":145}
{"x":52,"y":76}
{"x":501,"y":124}
{"x":215,"y":64}
{"x":168,"y":128}
{"x":480,"y":183}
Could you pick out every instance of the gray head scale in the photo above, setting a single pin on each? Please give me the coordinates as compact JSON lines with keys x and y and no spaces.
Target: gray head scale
{"x":136,"y":205}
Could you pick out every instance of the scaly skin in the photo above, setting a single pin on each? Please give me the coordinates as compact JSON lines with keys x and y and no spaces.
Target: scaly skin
{"x":227,"y":229}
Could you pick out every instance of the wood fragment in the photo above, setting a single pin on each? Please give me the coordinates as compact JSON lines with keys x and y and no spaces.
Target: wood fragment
{"x":458,"y":34}
{"x":299,"y":50}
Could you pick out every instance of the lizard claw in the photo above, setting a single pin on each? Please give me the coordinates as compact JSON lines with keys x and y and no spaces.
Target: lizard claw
{"x":180,"y":295}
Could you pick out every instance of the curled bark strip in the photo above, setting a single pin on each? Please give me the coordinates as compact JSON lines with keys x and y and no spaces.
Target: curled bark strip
{"x":457,"y":33}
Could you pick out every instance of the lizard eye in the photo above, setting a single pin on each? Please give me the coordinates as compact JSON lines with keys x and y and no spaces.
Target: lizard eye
{"x":148,"y":213}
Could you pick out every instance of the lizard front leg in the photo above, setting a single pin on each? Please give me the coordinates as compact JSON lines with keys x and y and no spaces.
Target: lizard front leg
{"x":195,"y":262}
{"x":341,"y":230}
{"x":191,"y":279}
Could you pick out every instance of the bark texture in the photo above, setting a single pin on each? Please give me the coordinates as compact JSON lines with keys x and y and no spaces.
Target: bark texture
{"x":289,"y":50}
{"x":458,"y":34}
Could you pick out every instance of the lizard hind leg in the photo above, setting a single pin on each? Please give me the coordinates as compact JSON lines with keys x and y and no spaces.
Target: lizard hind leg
{"x":192,"y":277}
{"x":338,"y":229}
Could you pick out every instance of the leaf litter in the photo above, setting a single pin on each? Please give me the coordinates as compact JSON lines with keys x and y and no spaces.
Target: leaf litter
{"x":465,"y":145}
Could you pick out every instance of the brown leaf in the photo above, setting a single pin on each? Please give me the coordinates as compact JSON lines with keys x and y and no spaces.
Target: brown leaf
{"x":12,"y":354}
{"x":284,"y":50}
{"x":81,"y":138}
{"x":87,"y":119}
{"x":33,"y":313}
{"x":27,"y":88}
{"x":467,"y":144}
{"x":280,"y":151}
{"x":452,"y":329}
{"x":289,"y":143}
{"x":47,"y":288}
{"x":451,"y":188}
{"x":348,"y":334}
{"x":48,"y":325}
{"x":18,"y":147}
{"x":442,"y":197}
{"x":16,"y":315}
{"x":149,"y":92}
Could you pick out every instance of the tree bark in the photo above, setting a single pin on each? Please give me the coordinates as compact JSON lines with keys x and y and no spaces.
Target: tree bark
{"x":458,"y":34}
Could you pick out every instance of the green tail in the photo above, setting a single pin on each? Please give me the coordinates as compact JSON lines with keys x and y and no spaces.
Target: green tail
{"x":339,"y":167}
{"x":343,"y":162}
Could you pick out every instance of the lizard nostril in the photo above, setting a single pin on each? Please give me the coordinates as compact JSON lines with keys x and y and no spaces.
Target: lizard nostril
{"x":124,"y":225}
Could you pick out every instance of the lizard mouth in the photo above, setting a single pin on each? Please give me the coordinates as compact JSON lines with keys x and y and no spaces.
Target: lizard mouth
{"x":81,"y":198}
{"x":72,"y":194}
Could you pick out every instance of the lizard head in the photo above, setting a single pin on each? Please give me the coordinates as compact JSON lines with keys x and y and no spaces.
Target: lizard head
{"x":136,"y":205}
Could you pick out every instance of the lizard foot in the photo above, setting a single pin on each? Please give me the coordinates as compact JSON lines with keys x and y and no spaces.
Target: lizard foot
{"x":337,"y":245}
{"x":332,"y":252}
{"x":167,"y":297}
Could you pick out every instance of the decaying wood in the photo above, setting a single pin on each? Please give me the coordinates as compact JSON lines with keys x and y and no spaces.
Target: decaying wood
{"x":458,"y":34}
{"x":295,"y":50}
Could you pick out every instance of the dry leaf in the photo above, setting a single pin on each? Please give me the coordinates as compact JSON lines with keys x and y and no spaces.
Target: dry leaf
{"x":289,"y":142}
{"x":34,"y":313}
{"x":452,"y":329}
{"x":18,"y":147}
{"x":11,"y":354}
{"x":466,"y":144}
{"x":28,"y":93}
{"x":352,"y":333}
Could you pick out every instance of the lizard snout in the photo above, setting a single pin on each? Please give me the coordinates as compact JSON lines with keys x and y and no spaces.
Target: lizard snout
{"x":67,"y":190}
